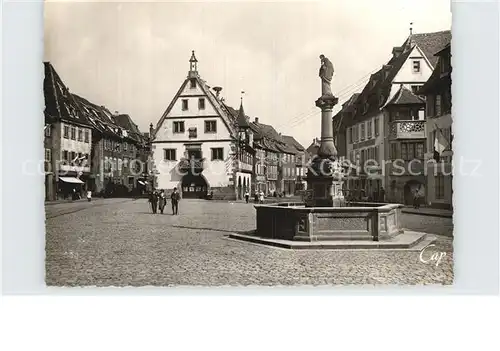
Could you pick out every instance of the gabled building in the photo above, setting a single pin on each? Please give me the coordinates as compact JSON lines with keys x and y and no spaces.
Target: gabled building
{"x":194,"y":141}
{"x":299,"y":162}
{"x":136,"y":150}
{"x":67,"y":140}
{"x":268,"y":149}
{"x":383,"y":118}
{"x":115,"y":167}
{"x":286,"y":166}
{"x":437,"y":91}
{"x":244,"y":151}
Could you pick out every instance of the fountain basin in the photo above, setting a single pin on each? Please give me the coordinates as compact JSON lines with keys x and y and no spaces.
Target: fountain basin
{"x":356,"y":221}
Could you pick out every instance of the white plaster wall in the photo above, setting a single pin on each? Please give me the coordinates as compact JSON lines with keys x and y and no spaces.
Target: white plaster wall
{"x":216,"y":173}
{"x":193,"y":109}
{"x":192,"y":91}
{"x":75,"y":145}
{"x":379,"y":140}
{"x":406,"y":73}
{"x":166,"y":130}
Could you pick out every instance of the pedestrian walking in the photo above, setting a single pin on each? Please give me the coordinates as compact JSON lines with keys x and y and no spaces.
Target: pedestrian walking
{"x":175,"y":198}
{"x":89,"y":195}
{"x":247,"y":196}
{"x":382,"y":195}
{"x":261,"y":197}
{"x":153,"y":200}
{"x":162,"y":200}
{"x":416,"y":199}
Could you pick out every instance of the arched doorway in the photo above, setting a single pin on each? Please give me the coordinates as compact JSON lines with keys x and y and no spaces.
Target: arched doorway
{"x":410,"y":188}
{"x":194,"y":186}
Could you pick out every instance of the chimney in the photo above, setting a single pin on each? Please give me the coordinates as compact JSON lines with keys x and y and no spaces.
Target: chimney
{"x":151,"y":130}
{"x":256,"y":120}
{"x":217,"y":91}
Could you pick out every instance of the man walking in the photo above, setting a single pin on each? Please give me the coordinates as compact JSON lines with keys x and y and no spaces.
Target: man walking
{"x":175,"y":202}
{"x":162,"y":200}
{"x":247,"y":196}
{"x":153,"y":199}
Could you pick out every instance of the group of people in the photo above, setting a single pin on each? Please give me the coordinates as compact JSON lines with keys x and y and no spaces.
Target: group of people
{"x":158,"y":201}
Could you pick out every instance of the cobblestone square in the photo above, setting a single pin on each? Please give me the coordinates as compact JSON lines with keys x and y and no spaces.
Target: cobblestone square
{"x":119,"y":242}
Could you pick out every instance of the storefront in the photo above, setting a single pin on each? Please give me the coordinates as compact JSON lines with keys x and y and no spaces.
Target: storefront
{"x":70,"y":187}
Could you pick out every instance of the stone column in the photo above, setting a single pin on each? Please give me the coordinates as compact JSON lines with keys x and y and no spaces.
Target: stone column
{"x":324,"y":178}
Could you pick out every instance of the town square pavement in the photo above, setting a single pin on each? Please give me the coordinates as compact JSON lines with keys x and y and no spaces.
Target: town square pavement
{"x":119,"y":242}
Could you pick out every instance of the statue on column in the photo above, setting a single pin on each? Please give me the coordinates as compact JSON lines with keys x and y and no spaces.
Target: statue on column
{"x":326,"y":74}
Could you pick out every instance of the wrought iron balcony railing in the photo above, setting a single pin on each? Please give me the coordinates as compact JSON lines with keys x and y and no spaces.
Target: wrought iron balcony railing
{"x":408,"y":130}
{"x":191,"y":164}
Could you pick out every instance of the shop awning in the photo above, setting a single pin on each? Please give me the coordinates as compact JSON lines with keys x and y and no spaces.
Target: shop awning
{"x":71,"y":180}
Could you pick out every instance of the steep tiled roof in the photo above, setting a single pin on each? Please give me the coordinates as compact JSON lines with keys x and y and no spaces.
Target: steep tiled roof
{"x":290,"y":140}
{"x":242,"y":118}
{"x":60,"y":104}
{"x":436,"y":78}
{"x":268,"y":138}
{"x":133,"y":132}
{"x":99,"y":117}
{"x":216,"y":103}
{"x":313,"y":148}
{"x":379,"y":89}
{"x":269,"y":132}
{"x":430,"y":43}
{"x":405,"y":96}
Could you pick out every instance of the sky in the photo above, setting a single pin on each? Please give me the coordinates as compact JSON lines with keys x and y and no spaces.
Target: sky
{"x":132,"y":57}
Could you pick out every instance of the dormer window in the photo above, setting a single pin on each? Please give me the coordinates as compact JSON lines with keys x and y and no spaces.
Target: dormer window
{"x":416,"y":66}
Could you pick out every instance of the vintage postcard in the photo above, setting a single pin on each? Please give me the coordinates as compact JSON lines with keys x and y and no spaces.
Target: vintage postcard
{"x":248,"y":143}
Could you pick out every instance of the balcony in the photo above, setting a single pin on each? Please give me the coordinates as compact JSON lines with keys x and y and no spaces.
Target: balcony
{"x":244,"y":167}
{"x":407,"y":130}
{"x":193,"y":164}
{"x":74,"y":168}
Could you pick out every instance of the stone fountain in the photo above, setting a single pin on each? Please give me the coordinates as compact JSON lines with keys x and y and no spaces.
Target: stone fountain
{"x":324,"y":220}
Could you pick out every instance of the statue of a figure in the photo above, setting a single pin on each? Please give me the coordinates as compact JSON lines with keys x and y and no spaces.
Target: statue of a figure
{"x":326,"y":74}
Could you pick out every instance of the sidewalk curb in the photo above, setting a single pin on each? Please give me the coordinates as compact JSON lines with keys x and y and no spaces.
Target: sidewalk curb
{"x":428,"y":214}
